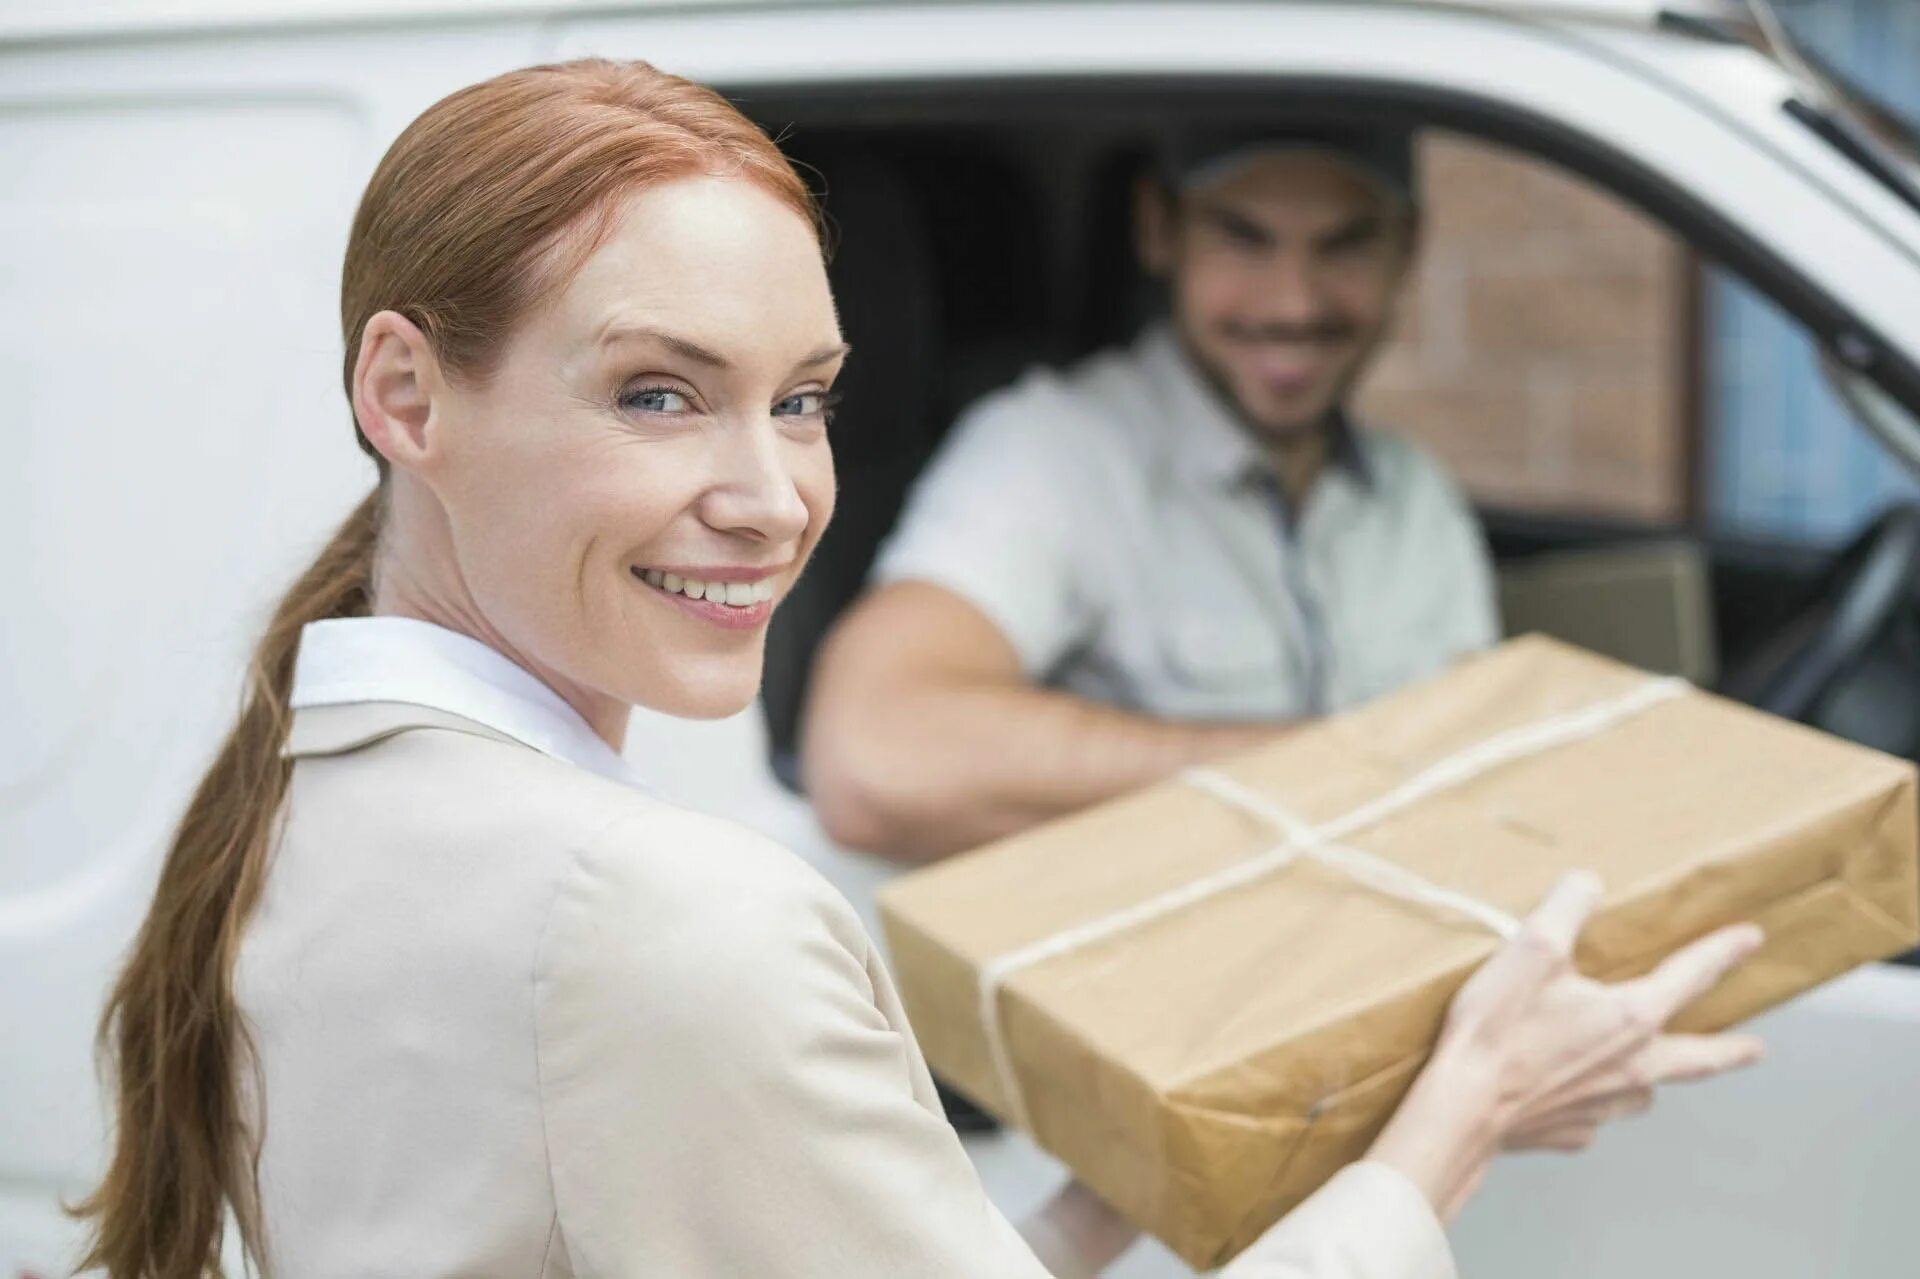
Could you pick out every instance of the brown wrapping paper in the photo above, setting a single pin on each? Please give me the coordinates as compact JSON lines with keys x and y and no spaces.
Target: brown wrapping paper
{"x":1207,"y":1070}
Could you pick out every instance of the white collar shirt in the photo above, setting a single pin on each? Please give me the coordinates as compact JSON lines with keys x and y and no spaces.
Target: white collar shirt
{"x":352,"y":660}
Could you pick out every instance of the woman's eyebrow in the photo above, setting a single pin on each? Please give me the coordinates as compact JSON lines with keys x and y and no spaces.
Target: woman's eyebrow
{"x":701,"y":355}
{"x":673,"y":342}
{"x":826,"y":355}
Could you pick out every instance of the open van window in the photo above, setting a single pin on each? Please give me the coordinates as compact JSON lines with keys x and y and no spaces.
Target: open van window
{"x":1549,"y":353}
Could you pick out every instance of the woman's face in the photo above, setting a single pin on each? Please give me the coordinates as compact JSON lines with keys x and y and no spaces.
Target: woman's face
{"x":636,"y":486}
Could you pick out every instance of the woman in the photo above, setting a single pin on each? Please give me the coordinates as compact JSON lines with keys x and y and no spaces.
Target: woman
{"x":428,"y":987}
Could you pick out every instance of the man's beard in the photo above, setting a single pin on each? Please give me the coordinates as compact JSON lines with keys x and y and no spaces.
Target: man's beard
{"x":1270,"y":433}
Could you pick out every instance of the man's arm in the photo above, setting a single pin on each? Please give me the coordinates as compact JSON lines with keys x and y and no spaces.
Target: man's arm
{"x":923,"y":736}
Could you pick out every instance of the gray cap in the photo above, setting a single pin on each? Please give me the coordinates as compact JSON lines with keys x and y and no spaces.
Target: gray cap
{"x":1193,"y":157}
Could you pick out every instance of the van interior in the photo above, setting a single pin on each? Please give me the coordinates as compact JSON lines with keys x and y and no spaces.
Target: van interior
{"x":979,"y":233}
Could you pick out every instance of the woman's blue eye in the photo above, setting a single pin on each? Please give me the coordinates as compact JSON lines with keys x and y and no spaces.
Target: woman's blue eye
{"x":807,"y":404}
{"x":654,"y":399}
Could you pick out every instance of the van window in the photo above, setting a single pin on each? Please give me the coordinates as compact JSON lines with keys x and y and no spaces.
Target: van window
{"x":1545,"y":350}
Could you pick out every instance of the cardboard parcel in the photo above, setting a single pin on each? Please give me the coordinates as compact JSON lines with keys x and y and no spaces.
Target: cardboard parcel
{"x":1207,"y":996}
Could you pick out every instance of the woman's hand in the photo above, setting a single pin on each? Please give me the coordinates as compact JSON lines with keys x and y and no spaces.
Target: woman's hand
{"x":1533,"y":1054}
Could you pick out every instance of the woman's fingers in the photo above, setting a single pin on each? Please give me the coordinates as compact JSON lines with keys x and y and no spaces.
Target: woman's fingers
{"x":1672,"y":1059}
{"x":1628,"y":1086}
{"x":1572,"y":1054}
{"x":1691,"y":972}
{"x":1564,"y":911}
{"x":1541,"y":1130}
{"x":1634,"y":1101}
{"x":1668,"y":1059}
{"x":1505,"y":988}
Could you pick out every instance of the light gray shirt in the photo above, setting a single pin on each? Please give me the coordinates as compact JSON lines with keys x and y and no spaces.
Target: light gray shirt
{"x":1123,"y":531}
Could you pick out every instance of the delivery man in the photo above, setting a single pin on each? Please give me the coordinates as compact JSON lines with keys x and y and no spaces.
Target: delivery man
{"x":1172,"y":550}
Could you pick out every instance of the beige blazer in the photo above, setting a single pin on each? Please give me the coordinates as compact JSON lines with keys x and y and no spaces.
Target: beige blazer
{"x":514,"y":1018}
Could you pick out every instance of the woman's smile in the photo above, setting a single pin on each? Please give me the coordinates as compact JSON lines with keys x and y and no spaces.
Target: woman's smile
{"x":733,"y":598}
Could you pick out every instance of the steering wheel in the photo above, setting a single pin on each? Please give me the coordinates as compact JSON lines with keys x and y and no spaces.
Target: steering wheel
{"x":1834,"y":631}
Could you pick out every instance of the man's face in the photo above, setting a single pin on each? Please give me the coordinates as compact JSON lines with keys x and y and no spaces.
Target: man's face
{"x":1284,"y":273}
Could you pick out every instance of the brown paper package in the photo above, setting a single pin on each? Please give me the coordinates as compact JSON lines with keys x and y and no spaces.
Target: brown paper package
{"x":1206,"y":1071}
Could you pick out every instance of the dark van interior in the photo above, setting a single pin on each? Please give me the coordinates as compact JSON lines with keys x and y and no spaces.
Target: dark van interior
{"x":980,"y":233}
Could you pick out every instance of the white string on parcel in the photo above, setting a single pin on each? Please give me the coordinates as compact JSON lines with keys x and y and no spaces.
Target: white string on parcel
{"x":1374,"y":872}
{"x":1320,"y":843}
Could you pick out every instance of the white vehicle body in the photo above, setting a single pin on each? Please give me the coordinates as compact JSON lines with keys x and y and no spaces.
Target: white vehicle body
{"x":178,"y":184}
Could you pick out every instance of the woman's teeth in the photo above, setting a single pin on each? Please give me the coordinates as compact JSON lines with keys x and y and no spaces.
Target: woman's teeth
{"x":736,"y":594}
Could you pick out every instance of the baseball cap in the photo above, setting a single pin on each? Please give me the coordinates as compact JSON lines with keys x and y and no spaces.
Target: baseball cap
{"x":1198,"y":156}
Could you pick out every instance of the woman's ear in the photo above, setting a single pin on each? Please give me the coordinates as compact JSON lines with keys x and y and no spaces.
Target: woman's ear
{"x":395,"y":382}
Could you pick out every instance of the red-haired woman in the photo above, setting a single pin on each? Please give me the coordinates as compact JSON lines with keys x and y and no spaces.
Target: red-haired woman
{"x":430,"y":988}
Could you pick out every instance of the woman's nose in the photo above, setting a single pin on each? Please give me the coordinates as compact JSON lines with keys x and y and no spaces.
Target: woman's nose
{"x":753,"y":489}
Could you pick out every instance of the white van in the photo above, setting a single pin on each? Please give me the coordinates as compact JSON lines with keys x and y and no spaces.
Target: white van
{"x":178,"y":179}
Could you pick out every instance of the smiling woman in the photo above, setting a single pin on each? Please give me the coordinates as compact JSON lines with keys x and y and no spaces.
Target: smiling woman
{"x":430,"y":987}
{"x":679,"y":383}
{"x":588,"y":339}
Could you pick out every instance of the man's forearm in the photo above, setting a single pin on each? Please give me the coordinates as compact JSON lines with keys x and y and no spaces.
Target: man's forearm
{"x":950,"y":766}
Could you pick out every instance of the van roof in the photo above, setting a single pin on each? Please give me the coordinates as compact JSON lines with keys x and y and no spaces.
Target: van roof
{"x":37,"y":20}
